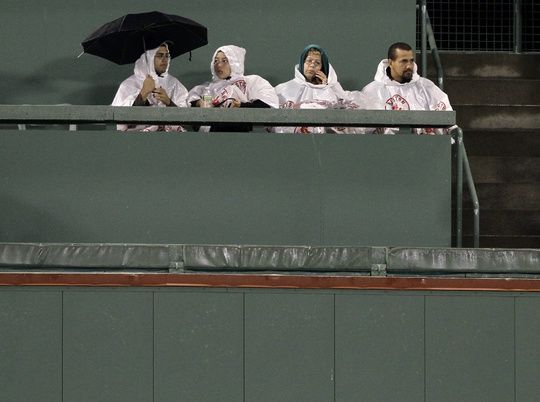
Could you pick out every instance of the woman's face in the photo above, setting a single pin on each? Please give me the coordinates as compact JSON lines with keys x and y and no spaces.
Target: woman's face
{"x":312,"y":65}
{"x":221,"y":66}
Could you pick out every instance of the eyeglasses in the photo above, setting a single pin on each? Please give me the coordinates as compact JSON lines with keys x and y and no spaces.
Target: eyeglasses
{"x":162,"y":56}
{"x":316,"y":63}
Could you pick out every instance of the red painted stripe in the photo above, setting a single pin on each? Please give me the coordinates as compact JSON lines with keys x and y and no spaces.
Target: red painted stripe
{"x":270,"y":281}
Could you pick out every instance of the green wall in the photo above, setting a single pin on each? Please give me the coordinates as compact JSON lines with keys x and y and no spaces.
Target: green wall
{"x":41,"y":41}
{"x":164,"y":344}
{"x":225,"y":188}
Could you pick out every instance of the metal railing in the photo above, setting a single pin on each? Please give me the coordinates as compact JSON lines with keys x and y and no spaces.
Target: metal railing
{"x":462,"y":163}
{"x":518,"y":27}
{"x":426,"y":34}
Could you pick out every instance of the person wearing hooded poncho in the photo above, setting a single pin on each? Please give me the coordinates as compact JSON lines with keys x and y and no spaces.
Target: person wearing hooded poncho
{"x":397,"y":86}
{"x":315,"y":86}
{"x":151,"y":85}
{"x":231,"y":88}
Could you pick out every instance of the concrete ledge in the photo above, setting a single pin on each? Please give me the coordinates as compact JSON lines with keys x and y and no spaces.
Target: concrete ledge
{"x":51,"y":114}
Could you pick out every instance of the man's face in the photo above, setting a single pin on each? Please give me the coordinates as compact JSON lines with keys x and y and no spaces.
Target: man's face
{"x":222,"y":67}
{"x":312,"y":65}
{"x":402,"y":66}
{"x":161,"y":60}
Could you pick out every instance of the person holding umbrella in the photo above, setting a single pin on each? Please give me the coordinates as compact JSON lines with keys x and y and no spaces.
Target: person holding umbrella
{"x":231,"y":88}
{"x":127,"y":39}
{"x":151,"y":85}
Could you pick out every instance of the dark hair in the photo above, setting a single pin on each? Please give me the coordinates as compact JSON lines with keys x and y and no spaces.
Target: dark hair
{"x":324,"y":58}
{"x":398,"y":45}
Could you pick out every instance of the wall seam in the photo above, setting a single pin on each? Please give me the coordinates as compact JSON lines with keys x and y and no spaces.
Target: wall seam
{"x":515,"y":348}
{"x":334,"y":369}
{"x":425,"y":351}
{"x":62,"y":342}
{"x":153,"y":345}
{"x":243,"y":346}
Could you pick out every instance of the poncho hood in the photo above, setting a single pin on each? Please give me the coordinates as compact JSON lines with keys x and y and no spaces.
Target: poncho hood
{"x":324,"y":59}
{"x":236,"y":56}
{"x":145,"y":64}
{"x":381,"y":76}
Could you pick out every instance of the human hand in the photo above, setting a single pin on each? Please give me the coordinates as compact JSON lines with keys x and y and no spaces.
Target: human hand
{"x":148,"y":86}
{"x":161,"y":95}
{"x":321,"y":78}
{"x":231,"y":102}
{"x":204,"y":103}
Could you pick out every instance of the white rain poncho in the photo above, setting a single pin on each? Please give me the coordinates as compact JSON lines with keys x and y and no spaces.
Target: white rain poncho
{"x":131,"y":87}
{"x":245,"y":88}
{"x":419,"y":94}
{"x":299,"y":93}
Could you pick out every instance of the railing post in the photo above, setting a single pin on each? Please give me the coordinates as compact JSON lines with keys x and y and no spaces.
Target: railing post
{"x":434,"y":53}
{"x":423,"y":36}
{"x":517,"y":26}
{"x":463,"y":163}
{"x":474,"y":198}
{"x":459,"y":186}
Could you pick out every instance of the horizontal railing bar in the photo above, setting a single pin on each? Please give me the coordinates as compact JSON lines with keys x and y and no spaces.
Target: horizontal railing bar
{"x":77,"y":114}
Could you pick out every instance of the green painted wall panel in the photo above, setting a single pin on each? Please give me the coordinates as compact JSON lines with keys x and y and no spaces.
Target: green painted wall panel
{"x":527,"y":350}
{"x":469,"y":348}
{"x":379,"y":348}
{"x":144,"y":344}
{"x":198,"y":352}
{"x":393,"y":186}
{"x":30,"y":346}
{"x":108,"y":346}
{"x":289,"y":347}
{"x":231,"y":188}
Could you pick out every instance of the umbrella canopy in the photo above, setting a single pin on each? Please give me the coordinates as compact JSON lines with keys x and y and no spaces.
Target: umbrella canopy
{"x":126,"y":38}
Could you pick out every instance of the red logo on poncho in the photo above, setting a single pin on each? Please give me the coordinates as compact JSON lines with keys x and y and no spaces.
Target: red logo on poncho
{"x":241,"y":84}
{"x":397,"y":102}
{"x":440,"y":106}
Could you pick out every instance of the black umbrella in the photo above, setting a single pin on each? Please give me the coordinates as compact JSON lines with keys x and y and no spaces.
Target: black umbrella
{"x":126,"y":38}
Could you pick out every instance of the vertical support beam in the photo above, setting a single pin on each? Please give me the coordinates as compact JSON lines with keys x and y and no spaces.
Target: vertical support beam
{"x":517,"y":26}
{"x":423,"y":36}
{"x":459,"y":187}
{"x":461,"y":163}
{"x":474,"y":198}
